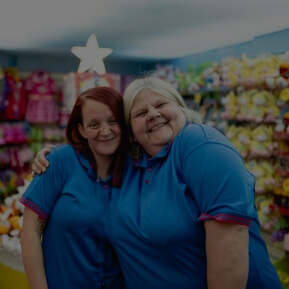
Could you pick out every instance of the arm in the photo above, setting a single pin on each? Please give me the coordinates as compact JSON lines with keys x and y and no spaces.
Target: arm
{"x":40,"y":162}
{"x":227,"y":255}
{"x":32,"y":250}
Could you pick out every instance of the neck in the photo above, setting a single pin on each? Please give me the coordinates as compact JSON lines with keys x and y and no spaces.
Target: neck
{"x":102,"y":167}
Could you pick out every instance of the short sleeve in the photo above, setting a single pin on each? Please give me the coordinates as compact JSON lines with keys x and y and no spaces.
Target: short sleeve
{"x":44,"y":190}
{"x":219,"y":182}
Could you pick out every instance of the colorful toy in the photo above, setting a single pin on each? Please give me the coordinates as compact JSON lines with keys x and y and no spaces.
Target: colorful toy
{"x":258,"y":108}
{"x":245,"y":104}
{"x":262,"y":142}
{"x":229,"y":103}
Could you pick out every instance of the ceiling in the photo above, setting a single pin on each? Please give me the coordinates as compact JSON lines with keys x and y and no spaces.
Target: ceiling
{"x":137,"y":29}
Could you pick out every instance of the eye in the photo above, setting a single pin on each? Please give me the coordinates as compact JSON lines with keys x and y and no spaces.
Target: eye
{"x":94,"y":125}
{"x":112,"y":122}
{"x":141,"y":114}
{"x":160,"y":105}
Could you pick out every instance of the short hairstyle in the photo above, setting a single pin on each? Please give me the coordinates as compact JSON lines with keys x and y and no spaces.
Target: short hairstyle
{"x":161,"y":87}
{"x":114,"y":101}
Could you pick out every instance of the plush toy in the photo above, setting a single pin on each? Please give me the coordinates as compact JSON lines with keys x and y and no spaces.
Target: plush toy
{"x":11,"y":244}
{"x":283,"y":97}
{"x":264,"y":212}
{"x":269,"y":168}
{"x":224,"y":73}
{"x":243,"y":142}
{"x":260,"y":185}
{"x":231,"y":133}
{"x":230,"y":76}
{"x":167,"y":73}
{"x":272,"y":109}
{"x":5,"y":226}
{"x":244,"y":103}
{"x":11,"y":221}
{"x":262,"y":142}
{"x":279,"y":128}
{"x":259,"y":173}
{"x":258,"y":108}
{"x":229,"y":103}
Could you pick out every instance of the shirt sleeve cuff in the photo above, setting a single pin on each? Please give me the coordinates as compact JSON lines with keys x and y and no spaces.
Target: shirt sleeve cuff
{"x":226,"y":218}
{"x":42,"y":215}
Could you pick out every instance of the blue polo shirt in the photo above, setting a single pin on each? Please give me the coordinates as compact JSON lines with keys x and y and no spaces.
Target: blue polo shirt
{"x":157,"y":226}
{"x":77,"y":252}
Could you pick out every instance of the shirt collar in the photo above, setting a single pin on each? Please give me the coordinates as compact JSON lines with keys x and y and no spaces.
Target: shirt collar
{"x":88,"y":166}
{"x":145,"y":158}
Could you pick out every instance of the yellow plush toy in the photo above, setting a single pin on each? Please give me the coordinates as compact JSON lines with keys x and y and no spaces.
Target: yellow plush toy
{"x":264,"y":212}
{"x":5,"y":225}
{"x":262,"y":142}
{"x":229,"y":103}
{"x":272,"y":110}
{"x":231,"y":133}
{"x":269,"y":168}
{"x":243,"y":142}
{"x":258,"y":108}
{"x":245,"y":104}
{"x":259,"y":172}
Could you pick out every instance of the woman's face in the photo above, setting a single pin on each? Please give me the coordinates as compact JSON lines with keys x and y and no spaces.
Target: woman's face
{"x":155,"y":120}
{"x":100,"y":129}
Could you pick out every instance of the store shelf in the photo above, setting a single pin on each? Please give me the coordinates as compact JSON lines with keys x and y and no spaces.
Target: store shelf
{"x":281,"y":210}
{"x":13,"y":262}
{"x":281,"y":135}
{"x":282,"y":173}
{"x":12,"y":274}
{"x":275,"y":249}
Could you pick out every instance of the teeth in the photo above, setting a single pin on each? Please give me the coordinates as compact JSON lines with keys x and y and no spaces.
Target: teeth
{"x":157,"y":126}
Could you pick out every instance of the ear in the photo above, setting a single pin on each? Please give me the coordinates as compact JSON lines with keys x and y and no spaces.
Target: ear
{"x":81,"y":130}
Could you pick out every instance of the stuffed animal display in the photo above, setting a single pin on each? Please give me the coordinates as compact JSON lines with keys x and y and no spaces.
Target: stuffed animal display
{"x":11,"y":219}
{"x":258,"y":106}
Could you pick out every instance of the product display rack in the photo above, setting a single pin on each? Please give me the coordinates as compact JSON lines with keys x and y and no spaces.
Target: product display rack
{"x":209,"y":100}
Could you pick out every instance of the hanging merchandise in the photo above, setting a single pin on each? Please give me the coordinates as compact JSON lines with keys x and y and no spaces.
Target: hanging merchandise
{"x":3,"y":91}
{"x":75,"y":83}
{"x":42,"y":107}
{"x":15,"y":103}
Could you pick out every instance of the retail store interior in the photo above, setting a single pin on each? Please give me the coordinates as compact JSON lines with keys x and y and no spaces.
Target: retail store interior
{"x":228,"y":59}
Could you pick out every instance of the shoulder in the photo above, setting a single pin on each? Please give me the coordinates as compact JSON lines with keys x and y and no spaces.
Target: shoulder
{"x":63,"y":151}
{"x":200,"y":134}
{"x":201,"y":138}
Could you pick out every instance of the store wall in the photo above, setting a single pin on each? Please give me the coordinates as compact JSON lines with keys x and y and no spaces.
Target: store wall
{"x":65,"y":63}
{"x":273,"y":43}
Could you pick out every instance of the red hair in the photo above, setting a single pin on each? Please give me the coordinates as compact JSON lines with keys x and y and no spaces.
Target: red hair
{"x":114,"y":101}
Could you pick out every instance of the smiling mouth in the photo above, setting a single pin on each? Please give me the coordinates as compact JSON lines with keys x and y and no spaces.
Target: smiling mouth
{"x":157,"y":126}
{"x":106,"y":140}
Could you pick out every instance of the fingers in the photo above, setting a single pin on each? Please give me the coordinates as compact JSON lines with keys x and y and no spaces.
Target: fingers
{"x":40,"y":159}
{"x":40,"y":162}
{"x":49,"y":147}
{"x":38,"y":168}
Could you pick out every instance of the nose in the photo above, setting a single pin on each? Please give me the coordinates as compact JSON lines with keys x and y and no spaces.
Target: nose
{"x":105,"y":129}
{"x":153,"y":113}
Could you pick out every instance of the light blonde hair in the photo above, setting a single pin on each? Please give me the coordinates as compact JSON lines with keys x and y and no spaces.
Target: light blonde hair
{"x":161,"y":87}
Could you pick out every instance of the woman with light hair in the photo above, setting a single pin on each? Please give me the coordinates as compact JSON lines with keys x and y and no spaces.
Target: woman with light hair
{"x":185,"y":216}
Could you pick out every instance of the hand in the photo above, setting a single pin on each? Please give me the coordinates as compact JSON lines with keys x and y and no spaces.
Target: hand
{"x":40,"y":162}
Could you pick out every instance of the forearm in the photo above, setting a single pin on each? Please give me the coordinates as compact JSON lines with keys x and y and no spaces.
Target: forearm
{"x":33,"y":260}
{"x":32,"y":254}
{"x":227,"y":255}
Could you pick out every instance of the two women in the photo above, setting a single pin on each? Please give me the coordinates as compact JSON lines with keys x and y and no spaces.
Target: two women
{"x":185,"y":215}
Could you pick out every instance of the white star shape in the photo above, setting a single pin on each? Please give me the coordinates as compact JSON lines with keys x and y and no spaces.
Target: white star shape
{"x":91,"y":56}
